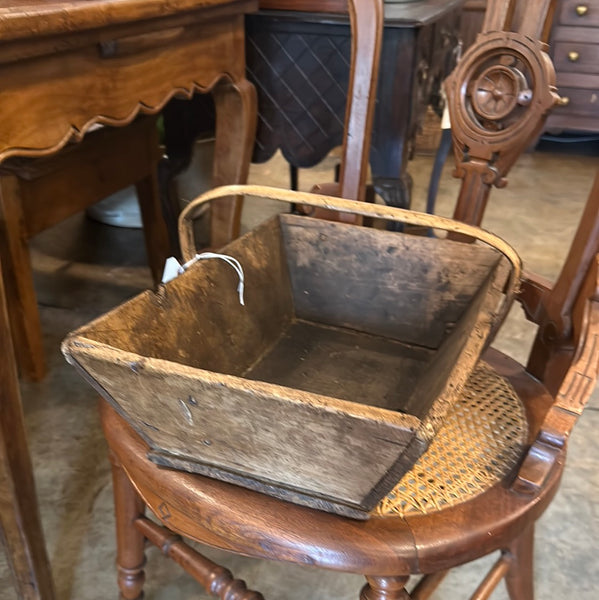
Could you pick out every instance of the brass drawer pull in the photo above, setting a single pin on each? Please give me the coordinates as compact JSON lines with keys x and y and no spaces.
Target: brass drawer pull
{"x":582,"y":10}
{"x":563,"y":101}
{"x":573,"y":56}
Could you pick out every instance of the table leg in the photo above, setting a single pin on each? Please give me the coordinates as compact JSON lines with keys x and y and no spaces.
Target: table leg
{"x":19,"y":293}
{"x":394,"y":118}
{"x":236,"y":117}
{"x":20,"y":526}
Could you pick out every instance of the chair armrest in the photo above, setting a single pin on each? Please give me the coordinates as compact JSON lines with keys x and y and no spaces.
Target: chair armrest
{"x":580,"y":357}
{"x":533,"y":291}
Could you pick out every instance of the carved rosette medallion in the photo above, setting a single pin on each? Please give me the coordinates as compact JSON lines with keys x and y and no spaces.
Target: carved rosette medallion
{"x":498,"y":97}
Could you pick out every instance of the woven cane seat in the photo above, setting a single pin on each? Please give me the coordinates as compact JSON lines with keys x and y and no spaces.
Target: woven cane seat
{"x":481,"y":441}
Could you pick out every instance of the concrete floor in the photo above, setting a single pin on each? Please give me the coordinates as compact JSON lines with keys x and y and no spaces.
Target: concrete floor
{"x":83,"y":268}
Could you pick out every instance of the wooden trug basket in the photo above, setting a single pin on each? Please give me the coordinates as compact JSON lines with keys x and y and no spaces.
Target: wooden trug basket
{"x":331,"y":381}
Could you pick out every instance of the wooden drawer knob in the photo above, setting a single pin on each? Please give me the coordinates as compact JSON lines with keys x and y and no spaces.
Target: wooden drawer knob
{"x":563,"y":101}
{"x":582,"y":10}
{"x":573,"y":56}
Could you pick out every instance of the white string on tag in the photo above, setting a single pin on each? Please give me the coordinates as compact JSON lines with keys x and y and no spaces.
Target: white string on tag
{"x":173,"y":268}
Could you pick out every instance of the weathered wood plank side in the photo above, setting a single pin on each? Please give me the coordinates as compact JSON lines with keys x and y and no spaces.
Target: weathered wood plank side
{"x":451,"y":363}
{"x":408,"y":288}
{"x":344,"y":364}
{"x":197,"y":320}
{"x":284,"y":438}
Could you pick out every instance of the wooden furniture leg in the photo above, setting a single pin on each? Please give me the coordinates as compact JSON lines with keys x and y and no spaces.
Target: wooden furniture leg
{"x":20,"y":525}
{"x":131,"y":559}
{"x":216,"y":579}
{"x":385,"y":588}
{"x":236,"y":117}
{"x":18,"y":277}
{"x":519,"y":579}
{"x":156,"y":236}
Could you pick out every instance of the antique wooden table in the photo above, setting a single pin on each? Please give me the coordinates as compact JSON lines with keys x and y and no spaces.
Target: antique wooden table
{"x":298,"y":59}
{"x":66,"y":66}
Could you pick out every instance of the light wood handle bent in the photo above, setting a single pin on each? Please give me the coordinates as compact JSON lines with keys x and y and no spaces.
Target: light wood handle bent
{"x":375,"y":211}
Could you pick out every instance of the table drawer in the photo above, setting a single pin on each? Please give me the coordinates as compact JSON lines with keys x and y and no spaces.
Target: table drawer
{"x":582,"y":13}
{"x":574,"y":57}
{"x":581,"y":102}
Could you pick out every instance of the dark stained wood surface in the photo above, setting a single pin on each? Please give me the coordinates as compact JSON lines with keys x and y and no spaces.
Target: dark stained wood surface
{"x":401,"y":14}
{"x":305,"y":121}
{"x":354,"y":276}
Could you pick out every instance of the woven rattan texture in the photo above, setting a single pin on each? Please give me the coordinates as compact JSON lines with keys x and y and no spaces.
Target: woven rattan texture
{"x":481,"y":441}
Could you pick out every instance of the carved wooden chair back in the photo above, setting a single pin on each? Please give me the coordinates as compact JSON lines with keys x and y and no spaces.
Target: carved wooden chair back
{"x":366,"y":18}
{"x":498,"y":97}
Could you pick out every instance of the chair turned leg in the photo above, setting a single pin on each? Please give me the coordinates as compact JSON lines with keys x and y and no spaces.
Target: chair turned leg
{"x":385,"y":588}
{"x":128,"y":506}
{"x":519,"y":579}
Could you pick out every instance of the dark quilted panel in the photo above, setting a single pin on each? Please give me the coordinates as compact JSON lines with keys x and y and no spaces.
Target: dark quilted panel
{"x":302,"y":79}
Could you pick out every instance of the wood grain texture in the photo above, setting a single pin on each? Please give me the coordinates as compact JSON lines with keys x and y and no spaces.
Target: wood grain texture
{"x":36,"y":18}
{"x":280,"y":437}
{"x":364,"y":279}
{"x":367,"y":39}
{"x":230,"y":517}
{"x":236,"y":117}
{"x":214,"y":369}
{"x":386,"y":549}
{"x":113,"y":91}
{"x":37,"y":194}
{"x":18,"y":291}
{"x":20,"y":525}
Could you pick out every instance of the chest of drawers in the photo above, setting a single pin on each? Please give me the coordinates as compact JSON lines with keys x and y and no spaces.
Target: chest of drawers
{"x":575,"y":52}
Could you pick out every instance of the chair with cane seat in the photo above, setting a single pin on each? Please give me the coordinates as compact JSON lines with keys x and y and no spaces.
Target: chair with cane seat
{"x":494,"y":468}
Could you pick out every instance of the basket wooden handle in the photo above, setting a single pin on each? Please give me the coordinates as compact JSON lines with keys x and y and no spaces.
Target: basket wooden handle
{"x":376,"y":211}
